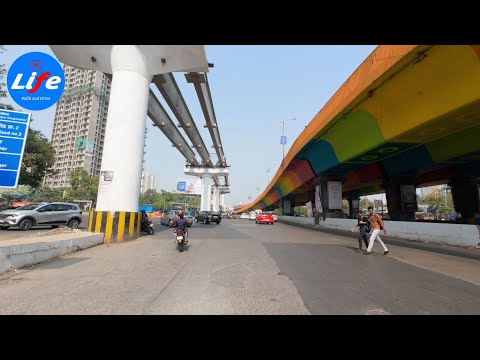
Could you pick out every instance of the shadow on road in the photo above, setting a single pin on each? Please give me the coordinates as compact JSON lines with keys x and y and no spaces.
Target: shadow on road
{"x":61,"y":263}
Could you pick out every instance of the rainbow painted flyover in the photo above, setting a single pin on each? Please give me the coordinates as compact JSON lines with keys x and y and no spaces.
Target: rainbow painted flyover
{"x":406,"y":110}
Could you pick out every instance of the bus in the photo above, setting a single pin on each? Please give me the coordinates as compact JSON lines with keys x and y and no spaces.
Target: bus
{"x":424,"y":216}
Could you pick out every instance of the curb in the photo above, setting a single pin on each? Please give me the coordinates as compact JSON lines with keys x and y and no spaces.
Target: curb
{"x":20,"y":255}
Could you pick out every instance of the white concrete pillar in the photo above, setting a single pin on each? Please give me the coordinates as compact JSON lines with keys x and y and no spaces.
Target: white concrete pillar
{"x":216,"y":199}
{"x":222,"y":200}
{"x":206,"y":191}
{"x":125,"y":132}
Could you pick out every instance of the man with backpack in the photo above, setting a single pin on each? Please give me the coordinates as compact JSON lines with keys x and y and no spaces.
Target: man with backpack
{"x":363,"y":225}
{"x":376,"y":224}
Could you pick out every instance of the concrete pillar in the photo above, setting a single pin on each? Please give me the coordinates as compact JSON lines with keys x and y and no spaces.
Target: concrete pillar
{"x":288,"y":210}
{"x":125,"y":132}
{"x":465,"y":197}
{"x":400,"y":192}
{"x":222,"y":200}
{"x":206,"y":175}
{"x":322,"y":182}
{"x":206,"y":192}
{"x":353,"y":209}
{"x":216,"y":198}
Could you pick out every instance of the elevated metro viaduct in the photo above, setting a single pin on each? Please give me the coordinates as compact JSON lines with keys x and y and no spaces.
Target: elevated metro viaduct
{"x":409,"y":116}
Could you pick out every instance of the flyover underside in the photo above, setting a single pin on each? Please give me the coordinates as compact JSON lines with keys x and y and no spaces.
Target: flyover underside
{"x":422,"y":122}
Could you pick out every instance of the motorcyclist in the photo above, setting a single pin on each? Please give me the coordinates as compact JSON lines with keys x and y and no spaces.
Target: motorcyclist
{"x":181,"y":224}
{"x":144,"y":220}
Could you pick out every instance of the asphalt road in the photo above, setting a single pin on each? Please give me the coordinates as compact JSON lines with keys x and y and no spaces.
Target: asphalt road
{"x":239,"y":267}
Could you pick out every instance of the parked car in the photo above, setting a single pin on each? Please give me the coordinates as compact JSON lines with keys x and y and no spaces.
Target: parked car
{"x":208,"y":217}
{"x":51,"y":214}
{"x":264,"y":218}
{"x":167,"y":219}
{"x":244,"y":216}
{"x":252,"y":216}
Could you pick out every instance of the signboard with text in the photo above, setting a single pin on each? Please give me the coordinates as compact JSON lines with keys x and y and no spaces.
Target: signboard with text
{"x":189,"y":186}
{"x":283,"y":140}
{"x":13,"y":136}
{"x":334,"y":195}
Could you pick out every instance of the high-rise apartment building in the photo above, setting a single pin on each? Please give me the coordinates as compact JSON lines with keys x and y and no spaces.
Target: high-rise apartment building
{"x":79,"y":126}
{"x":148,"y":182}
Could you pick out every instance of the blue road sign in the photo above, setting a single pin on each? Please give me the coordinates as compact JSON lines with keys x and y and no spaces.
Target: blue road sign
{"x":13,"y":136}
{"x":181,"y":186}
{"x":283,"y":140}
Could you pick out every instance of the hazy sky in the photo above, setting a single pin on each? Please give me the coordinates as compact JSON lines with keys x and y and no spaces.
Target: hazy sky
{"x":253,"y":88}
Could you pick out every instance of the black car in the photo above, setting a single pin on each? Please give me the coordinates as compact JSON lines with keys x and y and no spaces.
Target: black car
{"x":208,"y":217}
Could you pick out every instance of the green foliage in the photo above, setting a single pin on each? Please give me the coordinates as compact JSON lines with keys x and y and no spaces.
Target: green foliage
{"x":446,"y":209}
{"x":364,"y":203}
{"x":433,"y":201}
{"x":82,"y":186}
{"x":38,"y":159}
{"x":3,"y":91}
{"x":164,"y":199}
{"x":300,"y":210}
{"x":46,"y":194}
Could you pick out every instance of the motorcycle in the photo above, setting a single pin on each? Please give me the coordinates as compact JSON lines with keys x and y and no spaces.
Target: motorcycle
{"x":147,"y":226}
{"x":181,"y":239}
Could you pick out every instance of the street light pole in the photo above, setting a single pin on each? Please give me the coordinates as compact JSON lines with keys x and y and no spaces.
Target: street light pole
{"x":283,"y":134}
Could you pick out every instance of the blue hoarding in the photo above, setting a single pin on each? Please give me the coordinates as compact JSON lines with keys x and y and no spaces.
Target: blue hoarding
{"x":13,"y":135}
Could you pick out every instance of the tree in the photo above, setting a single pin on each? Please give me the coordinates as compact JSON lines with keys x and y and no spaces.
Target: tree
{"x":38,"y":159}
{"x":3,"y":91}
{"x":364,"y":203}
{"x":433,"y":201}
{"x":82,"y":186}
{"x":446,"y":209}
{"x":148,"y":197}
{"x":345,"y":206}
{"x":47,"y":194}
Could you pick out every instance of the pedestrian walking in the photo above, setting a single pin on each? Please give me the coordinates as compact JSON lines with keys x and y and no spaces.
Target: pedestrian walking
{"x":363,"y":227}
{"x":316,"y":215}
{"x":376,"y":224}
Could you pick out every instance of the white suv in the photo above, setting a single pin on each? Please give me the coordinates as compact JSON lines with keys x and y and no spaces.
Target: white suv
{"x":51,"y":214}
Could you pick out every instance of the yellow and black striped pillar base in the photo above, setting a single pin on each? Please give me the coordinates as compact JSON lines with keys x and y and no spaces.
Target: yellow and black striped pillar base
{"x":117,"y":226}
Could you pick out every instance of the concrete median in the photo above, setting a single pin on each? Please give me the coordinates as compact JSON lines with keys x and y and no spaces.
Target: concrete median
{"x":17,"y":253}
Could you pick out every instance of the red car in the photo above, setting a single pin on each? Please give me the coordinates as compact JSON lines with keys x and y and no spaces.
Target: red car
{"x":264,"y":218}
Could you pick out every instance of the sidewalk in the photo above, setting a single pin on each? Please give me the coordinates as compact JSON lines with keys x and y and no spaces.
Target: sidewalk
{"x":465,"y":252}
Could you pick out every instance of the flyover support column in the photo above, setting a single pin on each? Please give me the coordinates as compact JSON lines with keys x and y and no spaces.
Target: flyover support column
{"x":222,"y":201}
{"x":206,"y":192}
{"x":354,"y":205}
{"x":122,"y":158}
{"x":322,"y":183}
{"x":216,"y":198}
{"x":288,"y":206}
{"x":206,"y":173}
{"x":401,"y":198}
{"x":465,"y":197}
